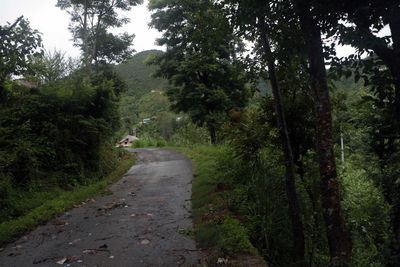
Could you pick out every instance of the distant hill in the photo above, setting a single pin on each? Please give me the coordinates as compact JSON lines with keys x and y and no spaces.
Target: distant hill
{"x":138,"y":75}
{"x":139,"y":78}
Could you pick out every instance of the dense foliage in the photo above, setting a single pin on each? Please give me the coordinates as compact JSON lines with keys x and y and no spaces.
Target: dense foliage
{"x":57,"y":122}
{"x":275,"y":184}
{"x":295,"y":130}
{"x":135,"y":102}
{"x":91,"y":21}
{"x":207,"y":81}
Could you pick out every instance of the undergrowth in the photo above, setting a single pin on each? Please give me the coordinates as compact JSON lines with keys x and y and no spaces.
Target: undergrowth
{"x":40,"y":207}
{"x":148,"y":141}
{"x":217,"y":228}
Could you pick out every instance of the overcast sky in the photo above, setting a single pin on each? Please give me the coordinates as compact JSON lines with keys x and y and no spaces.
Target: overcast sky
{"x":52,"y":22}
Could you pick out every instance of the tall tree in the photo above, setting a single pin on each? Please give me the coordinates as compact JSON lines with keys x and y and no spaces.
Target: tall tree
{"x":91,"y":21}
{"x":366,"y":18}
{"x":338,"y":237}
{"x":19,"y":46}
{"x":53,"y":65}
{"x":361,"y":23}
{"x":200,"y":62}
{"x":295,"y":213}
{"x":250,"y":19}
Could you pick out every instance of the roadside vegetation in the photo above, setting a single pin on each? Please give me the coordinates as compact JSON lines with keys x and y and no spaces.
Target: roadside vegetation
{"x":59,"y":116}
{"x":296,"y":151}
{"x":217,"y":227}
{"x":305,"y":164}
{"x":39,"y":205}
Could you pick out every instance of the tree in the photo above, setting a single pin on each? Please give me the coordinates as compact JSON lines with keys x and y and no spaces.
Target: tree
{"x":380,"y":71}
{"x":91,"y":21}
{"x":252,"y":21}
{"x":19,"y":46}
{"x":200,"y":62}
{"x":53,"y":66}
{"x":364,"y":19}
{"x":338,"y":237}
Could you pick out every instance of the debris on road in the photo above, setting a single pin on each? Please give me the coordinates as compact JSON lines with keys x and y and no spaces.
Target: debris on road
{"x":145,"y":242}
{"x":62,"y":261}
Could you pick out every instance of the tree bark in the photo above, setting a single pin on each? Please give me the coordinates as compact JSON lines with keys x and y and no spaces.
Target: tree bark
{"x":294,"y":207}
{"x":339,"y":240}
{"x":85,"y":37}
{"x":213,"y":134}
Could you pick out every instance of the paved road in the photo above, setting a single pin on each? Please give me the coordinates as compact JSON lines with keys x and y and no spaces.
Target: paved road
{"x":144,"y":221}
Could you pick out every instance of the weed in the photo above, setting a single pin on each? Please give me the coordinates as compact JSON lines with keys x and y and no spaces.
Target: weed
{"x":56,"y":201}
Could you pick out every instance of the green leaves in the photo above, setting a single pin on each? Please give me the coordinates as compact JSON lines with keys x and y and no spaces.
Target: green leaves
{"x":19,"y":45}
{"x":200,"y":63}
{"x":91,"y":21}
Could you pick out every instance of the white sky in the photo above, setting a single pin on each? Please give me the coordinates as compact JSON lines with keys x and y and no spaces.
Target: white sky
{"x":52,"y":22}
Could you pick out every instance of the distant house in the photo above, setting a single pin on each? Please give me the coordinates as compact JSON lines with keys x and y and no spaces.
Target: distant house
{"x":127,"y":141}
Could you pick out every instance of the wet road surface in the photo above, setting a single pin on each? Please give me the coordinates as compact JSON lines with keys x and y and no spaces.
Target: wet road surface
{"x":143,"y":221}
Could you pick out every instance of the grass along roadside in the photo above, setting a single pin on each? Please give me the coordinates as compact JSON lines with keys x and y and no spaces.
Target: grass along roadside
{"x":216,"y":228}
{"x":64,"y":201}
{"x":148,"y":141}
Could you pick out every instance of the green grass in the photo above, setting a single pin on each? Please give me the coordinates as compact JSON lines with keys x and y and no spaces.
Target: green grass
{"x":58,"y":201}
{"x":147,"y":141}
{"x":217,"y":229}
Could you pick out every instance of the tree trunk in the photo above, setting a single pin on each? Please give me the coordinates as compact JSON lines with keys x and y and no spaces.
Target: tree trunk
{"x":339,"y":241}
{"x":294,"y":208}
{"x":213,"y":134}
{"x":396,"y":230}
{"x":85,"y":37}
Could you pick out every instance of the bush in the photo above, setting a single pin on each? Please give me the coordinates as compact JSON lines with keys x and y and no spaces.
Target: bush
{"x":148,"y":141}
{"x":190,"y":134}
{"x":368,"y":218}
{"x":233,"y":238}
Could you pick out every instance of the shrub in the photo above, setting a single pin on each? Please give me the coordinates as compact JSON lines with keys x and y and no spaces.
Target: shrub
{"x":233,"y":238}
{"x":368,"y":218}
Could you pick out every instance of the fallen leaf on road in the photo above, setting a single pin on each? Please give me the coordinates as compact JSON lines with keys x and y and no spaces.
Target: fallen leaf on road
{"x":12,"y":254}
{"x":103,"y":246}
{"x":113,"y":205}
{"x":222,"y":261}
{"x":145,"y":242}
{"x":59,"y":222}
{"x":62,"y":261}
{"x":95,"y":250}
{"x":74,"y":241}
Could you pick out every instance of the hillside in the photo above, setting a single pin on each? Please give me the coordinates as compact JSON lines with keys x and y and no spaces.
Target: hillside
{"x":138,"y":75}
{"x":140,"y":81}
